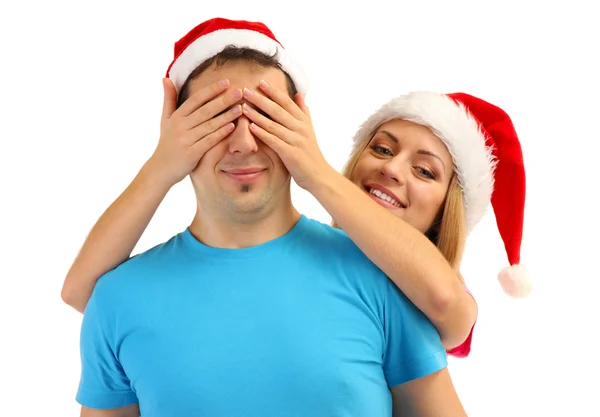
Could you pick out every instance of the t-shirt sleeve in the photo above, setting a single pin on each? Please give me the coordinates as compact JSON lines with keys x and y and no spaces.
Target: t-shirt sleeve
{"x":463,"y":350}
{"x":413,"y":346}
{"x":103,"y":382}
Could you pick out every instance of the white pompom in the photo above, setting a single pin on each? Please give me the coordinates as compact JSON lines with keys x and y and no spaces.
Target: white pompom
{"x":515,"y":281}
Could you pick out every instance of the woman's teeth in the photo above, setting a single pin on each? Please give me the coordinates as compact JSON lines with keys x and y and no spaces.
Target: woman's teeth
{"x":385,"y":197}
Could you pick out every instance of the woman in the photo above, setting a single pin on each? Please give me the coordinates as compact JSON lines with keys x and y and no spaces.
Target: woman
{"x":434,"y":162}
{"x":420,"y":166}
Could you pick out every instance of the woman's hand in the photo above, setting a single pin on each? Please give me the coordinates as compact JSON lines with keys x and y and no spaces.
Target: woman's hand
{"x":286,"y":127}
{"x":188,"y":132}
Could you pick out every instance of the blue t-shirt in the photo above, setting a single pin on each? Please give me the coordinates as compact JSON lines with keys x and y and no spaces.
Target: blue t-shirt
{"x":303,"y":325}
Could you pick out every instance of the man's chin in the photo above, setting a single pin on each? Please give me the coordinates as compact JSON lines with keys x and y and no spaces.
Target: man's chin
{"x":250,"y":202}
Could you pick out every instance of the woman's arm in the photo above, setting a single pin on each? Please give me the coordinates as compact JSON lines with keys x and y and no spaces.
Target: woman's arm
{"x":414,"y":264}
{"x":409,"y":259}
{"x":114,"y":236}
{"x":186,"y":133}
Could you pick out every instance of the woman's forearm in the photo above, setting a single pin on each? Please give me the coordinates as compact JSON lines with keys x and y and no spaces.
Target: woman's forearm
{"x":409,"y":259}
{"x":114,"y":236}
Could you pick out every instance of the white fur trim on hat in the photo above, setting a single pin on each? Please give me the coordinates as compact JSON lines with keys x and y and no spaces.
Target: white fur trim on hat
{"x":454,"y":125}
{"x":212,"y":43}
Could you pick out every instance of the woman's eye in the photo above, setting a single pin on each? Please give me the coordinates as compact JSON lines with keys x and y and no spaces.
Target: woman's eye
{"x":426,"y":173}
{"x":382,"y":150}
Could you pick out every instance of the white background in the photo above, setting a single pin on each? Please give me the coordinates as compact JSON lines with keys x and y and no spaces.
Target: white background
{"x":81,"y":98}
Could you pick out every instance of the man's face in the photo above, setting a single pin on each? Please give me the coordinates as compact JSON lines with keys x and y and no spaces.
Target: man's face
{"x":240,"y":177}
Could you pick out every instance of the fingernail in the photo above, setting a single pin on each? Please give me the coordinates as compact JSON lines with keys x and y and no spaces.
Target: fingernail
{"x":237,"y":94}
{"x":248,"y":92}
{"x":237,"y":109}
{"x":224,"y":83}
{"x":246,"y":108}
{"x":264,"y":84}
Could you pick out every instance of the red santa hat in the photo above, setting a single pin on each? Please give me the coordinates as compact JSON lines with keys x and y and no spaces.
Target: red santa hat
{"x":488,"y":162}
{"x":211,"y":37}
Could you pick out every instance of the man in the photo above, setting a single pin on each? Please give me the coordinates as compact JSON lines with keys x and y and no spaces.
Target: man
{"x":254,"y":310}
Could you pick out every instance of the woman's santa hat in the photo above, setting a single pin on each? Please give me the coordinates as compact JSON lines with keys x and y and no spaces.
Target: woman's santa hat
{"x":488,"y":162}
{"x":209,"y":38}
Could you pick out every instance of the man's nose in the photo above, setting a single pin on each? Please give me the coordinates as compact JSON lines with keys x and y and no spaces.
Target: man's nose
{"x":241,"y":140}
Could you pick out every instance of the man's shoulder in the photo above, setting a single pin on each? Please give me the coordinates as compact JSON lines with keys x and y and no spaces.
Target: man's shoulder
{"x":336,"y":240}
{"x":318,"y":229}
{"x":140,"y":265}
{"x":334,"y":244}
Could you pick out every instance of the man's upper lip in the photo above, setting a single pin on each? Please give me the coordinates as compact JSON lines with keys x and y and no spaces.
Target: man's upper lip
{"x":242,"y":171}
{"x":387,"y":192}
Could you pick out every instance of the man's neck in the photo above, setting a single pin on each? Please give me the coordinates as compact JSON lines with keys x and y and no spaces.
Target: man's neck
{"x":244,"y":231}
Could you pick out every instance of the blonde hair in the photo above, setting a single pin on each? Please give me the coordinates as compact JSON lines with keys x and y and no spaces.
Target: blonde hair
{"x":449,"y":232}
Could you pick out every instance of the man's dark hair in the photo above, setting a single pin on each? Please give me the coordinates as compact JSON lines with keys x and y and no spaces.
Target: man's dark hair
{"x":236,"y":54}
